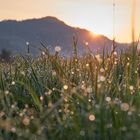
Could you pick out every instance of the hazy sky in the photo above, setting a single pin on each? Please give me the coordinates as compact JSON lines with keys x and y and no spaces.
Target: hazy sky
{"x":94,"y":15}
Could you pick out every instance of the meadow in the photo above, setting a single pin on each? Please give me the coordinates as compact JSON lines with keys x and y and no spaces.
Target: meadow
{"x":94,"y":97}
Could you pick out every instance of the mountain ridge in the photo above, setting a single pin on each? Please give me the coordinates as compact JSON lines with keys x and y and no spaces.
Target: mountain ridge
{"x":14,"y":34}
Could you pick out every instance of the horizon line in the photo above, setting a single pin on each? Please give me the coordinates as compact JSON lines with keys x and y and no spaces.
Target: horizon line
{"x":50,"y":16}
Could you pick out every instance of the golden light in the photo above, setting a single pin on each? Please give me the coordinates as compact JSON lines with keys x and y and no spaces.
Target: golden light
{"x":133,"y":19}
{"x":94,"y":15}
{"x":94,"y":35}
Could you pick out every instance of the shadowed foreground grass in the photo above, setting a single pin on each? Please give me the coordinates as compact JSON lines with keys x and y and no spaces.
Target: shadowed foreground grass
{"x":86,"y":98}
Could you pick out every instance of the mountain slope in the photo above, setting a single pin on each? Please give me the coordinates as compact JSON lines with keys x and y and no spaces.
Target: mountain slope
{"x":49,"y":30}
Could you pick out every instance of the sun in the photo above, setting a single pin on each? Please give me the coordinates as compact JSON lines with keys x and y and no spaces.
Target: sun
{"x":94,"y":35}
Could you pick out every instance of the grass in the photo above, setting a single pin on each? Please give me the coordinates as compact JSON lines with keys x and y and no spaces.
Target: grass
{"x":79,"y":98}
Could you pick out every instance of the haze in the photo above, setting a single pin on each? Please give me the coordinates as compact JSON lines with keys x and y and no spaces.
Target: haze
{"x":94,"y":15}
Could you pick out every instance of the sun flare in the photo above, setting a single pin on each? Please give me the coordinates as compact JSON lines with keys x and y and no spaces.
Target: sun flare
{"x":96,"y":16}
{"x":94,"y":35}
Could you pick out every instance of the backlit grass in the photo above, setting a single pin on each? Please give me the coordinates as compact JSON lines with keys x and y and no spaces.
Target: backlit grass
{"x":79,"y":98}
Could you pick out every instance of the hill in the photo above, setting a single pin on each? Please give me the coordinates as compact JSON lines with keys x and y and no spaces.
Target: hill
{"x":48,"y":30}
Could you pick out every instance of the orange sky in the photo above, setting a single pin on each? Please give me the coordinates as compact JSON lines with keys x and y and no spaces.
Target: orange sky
{"x":95,"y":15}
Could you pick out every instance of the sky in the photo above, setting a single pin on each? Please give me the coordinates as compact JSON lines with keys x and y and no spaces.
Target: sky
{"x":94,"y":15}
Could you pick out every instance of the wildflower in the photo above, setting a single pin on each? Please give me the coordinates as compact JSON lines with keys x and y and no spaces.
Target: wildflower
{"x":48,"y":93}
{"x":13,"y":106}
{"x":13,"y":83}
{"x":65,"y":87}
{"x":72,"y":72}
{"x":32,"y":117}
{"x":89,"y":100}
{"x":57,"y":48}
{"x":131,"y":88}
{"x":82,"y":133}
{"x":108,"y":99}
{"x":102,"y":70}
{"x":91,"y":117}
{"x":43,"y":53}
{"x":6,"y":92}
{"x":83,"y":82}
{"x":101,"y":79}
{"x":115,"y":62}
{"x":129,"y":113}
{"x":54,"y":73}
{"x":26,"y":106}
{"x":124,"y":106}
{"x":26,"y":121}
{"x":109,"y":81}
{"x":21,"y":114}
{"x":13,"y":129}
{"x":136,"y":72}
{"x":87,"y":65}
{"x":41,"y":98}
{"x":89,"y":89}
{"x":115,"y":54}
{"x":78,"y":70}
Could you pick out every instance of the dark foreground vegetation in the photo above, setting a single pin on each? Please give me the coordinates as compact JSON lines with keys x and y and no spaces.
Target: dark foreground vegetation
{"x":94,"y":97}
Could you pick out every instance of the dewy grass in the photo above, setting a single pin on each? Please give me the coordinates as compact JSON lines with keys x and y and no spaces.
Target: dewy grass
{"x":89,"y":97}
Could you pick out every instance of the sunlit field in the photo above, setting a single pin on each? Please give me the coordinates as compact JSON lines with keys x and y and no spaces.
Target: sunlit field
{"x":79,"y":98}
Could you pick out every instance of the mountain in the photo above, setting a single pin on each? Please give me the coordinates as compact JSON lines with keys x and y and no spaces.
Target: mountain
{"x":50,"y":31}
